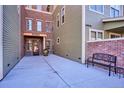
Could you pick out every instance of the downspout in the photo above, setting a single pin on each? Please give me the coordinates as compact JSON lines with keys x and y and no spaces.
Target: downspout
{"x":1,"y":42}
{"x":83,"y":34}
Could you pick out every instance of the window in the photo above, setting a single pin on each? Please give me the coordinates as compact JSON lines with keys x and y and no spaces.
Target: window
{"x":29,"y":24}
{"x":29,"y":6}
{"x":58,"y":21}
{"x":48,"y":26}
{"x":97,"y":8}
{"x":115,"y":10}
{"x":63,"y":15}
{"x":114,"y":35}
{"x":39,"y":7}
{"x":58,"y":40}
{"x":39,"y":26}
{"x":96,"y":34}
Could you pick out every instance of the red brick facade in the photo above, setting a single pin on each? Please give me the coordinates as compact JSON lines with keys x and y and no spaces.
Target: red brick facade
{"x":114,"y":47}
{"x":35,"y":15}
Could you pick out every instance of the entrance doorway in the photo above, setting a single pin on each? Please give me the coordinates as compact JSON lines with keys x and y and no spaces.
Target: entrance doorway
{"x":33,"y":46}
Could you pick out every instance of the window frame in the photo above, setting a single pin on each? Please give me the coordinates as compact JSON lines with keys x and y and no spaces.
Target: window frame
{"x":27,"y":27}
{"x":58,"y":19}
{"x":115,"y":9}
{"x":96,"y":10}
{"x":95,"y":30}
{"x":41,"y":25}
{"x":62,"y":15}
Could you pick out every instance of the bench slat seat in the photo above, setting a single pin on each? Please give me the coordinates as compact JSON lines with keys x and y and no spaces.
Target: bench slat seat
{"x":104,"y":60}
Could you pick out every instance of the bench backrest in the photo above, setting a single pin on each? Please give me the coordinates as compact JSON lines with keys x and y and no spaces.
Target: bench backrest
{"x":105,"y":57}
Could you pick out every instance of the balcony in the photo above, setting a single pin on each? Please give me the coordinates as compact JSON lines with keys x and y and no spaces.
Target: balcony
{"x":114,"y":25}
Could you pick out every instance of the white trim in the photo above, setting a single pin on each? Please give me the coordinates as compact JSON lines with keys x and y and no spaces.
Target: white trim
{"x":83,"y":35}
{"x":95,"y":30}
{"x":113,"y":19}
{"x":61,"y":15}
{"x":49,"y":21}
{"x":1,"y":42}
{"x":39,"y":11}
{"x":29,"y":18}
{"x":114,"y":34}
{"x":57,"y":41}
{"x":97,"y":11}
{"x":122,"y":38}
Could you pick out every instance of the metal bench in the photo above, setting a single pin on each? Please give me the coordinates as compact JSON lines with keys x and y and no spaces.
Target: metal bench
{"x":104,"y":60}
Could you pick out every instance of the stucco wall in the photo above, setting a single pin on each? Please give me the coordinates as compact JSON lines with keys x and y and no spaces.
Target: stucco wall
{"x":11,"y":37}
{"x":69,"y":33}
{"x":114,"y":47}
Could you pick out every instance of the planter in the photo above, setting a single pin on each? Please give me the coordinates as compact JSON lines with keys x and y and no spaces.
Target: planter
{"x":45,"y":52}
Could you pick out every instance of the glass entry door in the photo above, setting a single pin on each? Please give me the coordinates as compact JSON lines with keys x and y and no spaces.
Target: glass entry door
{"x":32,"y":47}
{"x":35,"y":47}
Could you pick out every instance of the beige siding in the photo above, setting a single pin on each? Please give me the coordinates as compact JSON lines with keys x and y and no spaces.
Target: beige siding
{"x":69,"y":32}
{"x":10,"y":37}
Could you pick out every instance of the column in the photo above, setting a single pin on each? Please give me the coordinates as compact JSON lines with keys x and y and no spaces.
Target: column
{"x":44,"y":45}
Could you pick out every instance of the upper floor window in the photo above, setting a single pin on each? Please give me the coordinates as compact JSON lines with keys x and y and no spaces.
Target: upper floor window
{"x":97,"y":8}
{"x":48,"y":26}
{"x":39,"y":7}
{"x":29,"y":6}
{"x":63,"y":15}
{"x":96,"y":34}
{"x":114,"y":10}
{"x":39,"y":26}
{"x":57,"y":20}
{"x":29,"y":24}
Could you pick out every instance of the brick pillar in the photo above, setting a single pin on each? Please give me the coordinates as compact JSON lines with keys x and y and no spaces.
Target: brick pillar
{"x":44,"y":45}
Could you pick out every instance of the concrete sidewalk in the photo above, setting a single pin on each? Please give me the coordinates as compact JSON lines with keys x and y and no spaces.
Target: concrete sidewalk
{"x":55,"y":71}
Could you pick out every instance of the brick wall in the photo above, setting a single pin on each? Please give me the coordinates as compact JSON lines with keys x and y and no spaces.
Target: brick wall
{"x":114,"y":47}
{"x":34,"y":15}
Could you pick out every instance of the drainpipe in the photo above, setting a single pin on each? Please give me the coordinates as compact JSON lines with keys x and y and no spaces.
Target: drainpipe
{"x":1,"y":42}
{"x":83,"y":34}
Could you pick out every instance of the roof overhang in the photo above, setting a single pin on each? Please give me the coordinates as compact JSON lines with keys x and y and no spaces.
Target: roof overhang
{"x":113,"y":23}
{"x":116,"y":19}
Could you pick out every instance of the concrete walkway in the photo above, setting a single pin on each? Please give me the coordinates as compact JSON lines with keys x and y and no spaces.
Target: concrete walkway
{"x":54,"y":71}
